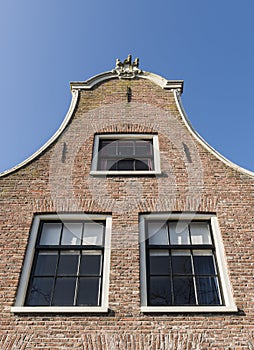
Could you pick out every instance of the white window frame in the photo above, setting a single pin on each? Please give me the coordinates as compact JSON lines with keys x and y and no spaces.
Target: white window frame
{"x":19,"y":306}
{"x":156,"y":154}
{"x":229,"y":304}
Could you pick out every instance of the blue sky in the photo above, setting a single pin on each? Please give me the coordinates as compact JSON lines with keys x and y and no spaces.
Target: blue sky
{"x":46,"y":44}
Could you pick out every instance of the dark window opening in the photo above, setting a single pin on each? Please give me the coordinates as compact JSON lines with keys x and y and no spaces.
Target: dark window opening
{"x":67,"y":267}
{"x":126,"y":155}
{"x":181,"y":264}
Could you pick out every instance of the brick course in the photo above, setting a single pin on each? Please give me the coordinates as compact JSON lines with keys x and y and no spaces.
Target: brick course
{"x":192,"y":179}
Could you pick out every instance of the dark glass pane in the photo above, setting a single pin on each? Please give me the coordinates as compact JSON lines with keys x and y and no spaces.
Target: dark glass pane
{"x":181,"y":265}
{"x":64,"y":291}
{"x":90,"y":264}
{"x":159,"y":291}
{"x":111,"y":165}
{"x":204,"y":265}
{"x":68,"y":263}
{"x":208,"y":291}
{"x":143,"y":148}
{"x":107,"y":148}
{"x":141,"y":165}
{"x":46,"y":264}
{"x":88,"y":291}
{"x":159,"y":263}
{"x":102,"y":164}
{"x":40,"y":292}
{"x":125,"y":164}
{"x":126,"y":148}
{"x":184,"y":291}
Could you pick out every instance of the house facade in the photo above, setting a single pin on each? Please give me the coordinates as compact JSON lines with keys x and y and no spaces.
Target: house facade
{"x":126,"y":230}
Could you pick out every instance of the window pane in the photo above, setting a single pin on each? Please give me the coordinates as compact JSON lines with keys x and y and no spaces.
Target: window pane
{"x":204,"y":262}
{"x":125,"y":164}
{"x":107,"y":148}
{"x":46,"y":263}
{"x":40,"y":292}
{"x":109,"y":164}
{"x":179,"y":233}
{"x":200,"y":233}
{"x":143,"y":148}
{"x":159,"y":263}
{"x":93,"y":233}
{"x":64,"y":291}
{"x":126,"y":148}
{"x":90,"y":263}
{"x":181,"y":262}
{"x":208,"y":291}
{"x":184,"y":291}
{"x":88,"y":291}
{"x":142,"y":164}
{"x":68,"y":263}
{"x":159,"y":290}
{"x":50,"y":234}
{"x":158,"y":233}
{"x":72,"y":233}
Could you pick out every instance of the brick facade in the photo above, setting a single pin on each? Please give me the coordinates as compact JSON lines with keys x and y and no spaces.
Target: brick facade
{"x":192,"y":179}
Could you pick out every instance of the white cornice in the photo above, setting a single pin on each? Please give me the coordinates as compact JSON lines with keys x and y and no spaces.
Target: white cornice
{"x":154,"y":78}
{"x":203,"y":142}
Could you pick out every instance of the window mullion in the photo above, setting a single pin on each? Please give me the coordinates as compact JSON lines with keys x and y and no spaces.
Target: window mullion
{"x":55,"y":277}
{"x":194,"y":277}
{"x":171,"y":278}
{"x":77,"y":279}
{"x":101,"y":278}
{"x":217,"y":276}
{"x":170,"y":267}
{"x":57,"y":265}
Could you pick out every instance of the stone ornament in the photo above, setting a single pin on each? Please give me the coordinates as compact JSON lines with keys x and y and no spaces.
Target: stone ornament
{"x":127,"y":69}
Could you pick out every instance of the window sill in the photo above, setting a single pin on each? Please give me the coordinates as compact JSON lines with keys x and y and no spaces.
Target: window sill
{"x":58,"y":309}
{"x":120,"y":173}
{"x":179,"y":309}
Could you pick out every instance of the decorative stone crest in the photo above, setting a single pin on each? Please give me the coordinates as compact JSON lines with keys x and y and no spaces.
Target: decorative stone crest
{"x":127,"y":69}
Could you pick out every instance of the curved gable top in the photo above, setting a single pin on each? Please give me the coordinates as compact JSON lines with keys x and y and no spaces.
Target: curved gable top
{"x":154,"y":78}
{"x":128,"y":70}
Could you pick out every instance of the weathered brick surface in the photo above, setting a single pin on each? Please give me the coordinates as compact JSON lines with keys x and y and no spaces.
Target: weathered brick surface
{"x":192,"y":179}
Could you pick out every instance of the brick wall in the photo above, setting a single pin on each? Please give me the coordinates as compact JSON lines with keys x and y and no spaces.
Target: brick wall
{"x":192,"y":179}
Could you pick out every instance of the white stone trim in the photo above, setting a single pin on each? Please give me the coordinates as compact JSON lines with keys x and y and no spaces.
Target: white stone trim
{"x":156,"y":155}
{"x":51,"y":140}
{"x":28,"y":262}
{"x":189,"y":309}
{"x":157,"y":79}
{"x":221,"y":260}
{"x":58,"y":309}
{"x":195,"y":134}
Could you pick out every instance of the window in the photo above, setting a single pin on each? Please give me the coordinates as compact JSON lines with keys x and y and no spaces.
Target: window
{"x":182,"y":264}
{"x":66,"y":266}
{"x":126,"y":154}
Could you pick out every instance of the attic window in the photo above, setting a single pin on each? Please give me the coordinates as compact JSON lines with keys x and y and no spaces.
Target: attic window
{"x":126,"y":154}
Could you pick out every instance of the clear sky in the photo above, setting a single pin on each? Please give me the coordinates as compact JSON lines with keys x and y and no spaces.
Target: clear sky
{"x":46,"y":44}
